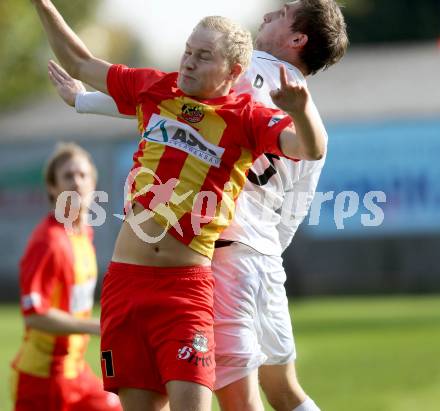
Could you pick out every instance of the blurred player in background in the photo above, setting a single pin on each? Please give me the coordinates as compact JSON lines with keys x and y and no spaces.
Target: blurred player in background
{"x":58,"y":275}
{"x":252,"y":323}
{"x":159,"y":293}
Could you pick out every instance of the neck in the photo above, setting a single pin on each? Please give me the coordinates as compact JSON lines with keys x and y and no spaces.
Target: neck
{"x":79,"y":224}
{"x":76,"y":226}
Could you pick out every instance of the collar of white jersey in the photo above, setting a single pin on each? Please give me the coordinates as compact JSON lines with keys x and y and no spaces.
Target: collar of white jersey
{"x":266,"y":56}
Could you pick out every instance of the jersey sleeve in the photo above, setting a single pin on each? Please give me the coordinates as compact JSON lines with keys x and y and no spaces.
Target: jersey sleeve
{"x":266,"y":127}
{"x":97,"y":103}
{"x":38,"y":270}
{"x":125,"y":85}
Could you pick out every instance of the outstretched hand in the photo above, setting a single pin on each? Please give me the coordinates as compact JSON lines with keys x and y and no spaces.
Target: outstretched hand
{"x":290,"y":97}
{"x":66,"y":86}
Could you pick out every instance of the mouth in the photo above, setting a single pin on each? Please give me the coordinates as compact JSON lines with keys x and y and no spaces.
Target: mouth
{"x":186,"y":78}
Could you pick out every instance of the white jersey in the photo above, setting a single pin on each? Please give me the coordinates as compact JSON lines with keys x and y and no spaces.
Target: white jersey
{"x":278,"y":192}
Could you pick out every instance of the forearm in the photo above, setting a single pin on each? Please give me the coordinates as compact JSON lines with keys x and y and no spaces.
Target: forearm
{"x":62,"y":323}
{"x":72,"y":53}
{"x":97,"y":103}
{"x":67,"y":46}
{"x":311,"y":137}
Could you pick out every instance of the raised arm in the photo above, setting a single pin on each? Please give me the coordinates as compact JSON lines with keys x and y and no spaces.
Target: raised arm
{"x":308,"y":140}
{"x":74,"y":94}
{"x":72,"y":53}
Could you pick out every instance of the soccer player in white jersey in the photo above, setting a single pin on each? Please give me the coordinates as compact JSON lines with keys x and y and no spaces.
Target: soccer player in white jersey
{"x":253,"y":330}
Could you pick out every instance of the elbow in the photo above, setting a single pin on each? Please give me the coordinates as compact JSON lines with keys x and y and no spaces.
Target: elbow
{"x":315,"y":154}
{"x":74,"y":66}
{"x":319,"y":155}
{"x":73,"y":70}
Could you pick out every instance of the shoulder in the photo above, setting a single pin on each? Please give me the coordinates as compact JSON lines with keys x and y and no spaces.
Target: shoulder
{"x":48,"y":233}
{"x":139,"y":77}
{"x":269,"y":65}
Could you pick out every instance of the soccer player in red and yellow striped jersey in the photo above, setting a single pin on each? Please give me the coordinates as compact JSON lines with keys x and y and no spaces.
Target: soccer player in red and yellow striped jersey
{"x":57,"y":280}
{"x":198,"y":139}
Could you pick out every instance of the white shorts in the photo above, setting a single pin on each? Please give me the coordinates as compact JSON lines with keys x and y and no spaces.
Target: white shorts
{"x":252,"y":324}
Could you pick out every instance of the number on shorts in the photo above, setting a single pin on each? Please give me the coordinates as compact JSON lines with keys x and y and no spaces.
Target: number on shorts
{"x":107,"y":357}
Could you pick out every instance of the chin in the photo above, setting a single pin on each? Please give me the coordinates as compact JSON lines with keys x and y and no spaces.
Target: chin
{"x":189,"y":91}
{"x":184,"y":87}
{"x":258,"y":44}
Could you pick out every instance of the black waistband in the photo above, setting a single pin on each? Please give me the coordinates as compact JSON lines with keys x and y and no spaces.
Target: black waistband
{"x":223,"y":243}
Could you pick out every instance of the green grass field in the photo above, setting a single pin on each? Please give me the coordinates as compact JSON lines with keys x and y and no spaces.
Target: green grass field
{"x":354,"y":354}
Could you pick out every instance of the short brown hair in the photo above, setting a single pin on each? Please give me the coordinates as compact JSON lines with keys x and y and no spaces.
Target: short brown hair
{"x":62,"y":153}
{"x":323,"y":23}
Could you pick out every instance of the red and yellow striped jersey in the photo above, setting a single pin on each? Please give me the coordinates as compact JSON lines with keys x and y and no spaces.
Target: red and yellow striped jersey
{"x":58,"y":270}
{"x":194,"y":154}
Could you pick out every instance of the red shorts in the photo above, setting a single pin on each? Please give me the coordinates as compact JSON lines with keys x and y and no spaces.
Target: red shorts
{"x":157,"y":326}
{"x":58,"y":393}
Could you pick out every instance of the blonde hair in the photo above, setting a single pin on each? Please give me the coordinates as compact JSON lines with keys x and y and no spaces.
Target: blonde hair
{"x":237,"y":41}
{"x":62,"y":153}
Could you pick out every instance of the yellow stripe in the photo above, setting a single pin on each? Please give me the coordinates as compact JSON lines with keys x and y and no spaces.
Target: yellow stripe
{"x":74,"y":362}
{"x":149,"y":159}
{"x":140,"y":118}
{"x":204,"y":243}
{"x":36,"y":353}
{"x":85,"y":266}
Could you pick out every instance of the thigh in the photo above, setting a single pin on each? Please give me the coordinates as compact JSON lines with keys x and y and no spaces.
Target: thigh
{"x":182,"y":335}
{"x":185,"y":395}
{"x":87,"y":394}
{"x":236,"y":328}
{"x":126,"y":360}
{"x":276,"y":337}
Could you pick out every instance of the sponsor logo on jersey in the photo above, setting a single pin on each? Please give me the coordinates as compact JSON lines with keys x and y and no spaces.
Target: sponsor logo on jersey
{"x":274,"y":120}
{"x":192,"y":113}
{"x":163,"y":130}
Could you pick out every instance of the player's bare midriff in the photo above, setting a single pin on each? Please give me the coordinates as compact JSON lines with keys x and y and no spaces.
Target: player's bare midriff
{"x":168,"y":252}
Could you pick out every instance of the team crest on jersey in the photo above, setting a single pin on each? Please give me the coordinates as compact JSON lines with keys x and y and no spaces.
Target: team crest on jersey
{"x":192,"y":113}
{"x":163,"y":130}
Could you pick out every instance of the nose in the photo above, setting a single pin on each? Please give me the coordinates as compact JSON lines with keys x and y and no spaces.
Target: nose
{"x":267,"y":17}
{"x":77,"y":180}
{"x":188,"y":62}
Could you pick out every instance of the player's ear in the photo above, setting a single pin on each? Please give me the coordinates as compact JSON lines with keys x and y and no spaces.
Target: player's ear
{"x":236,"y":71}
{"x":298,"y":40}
